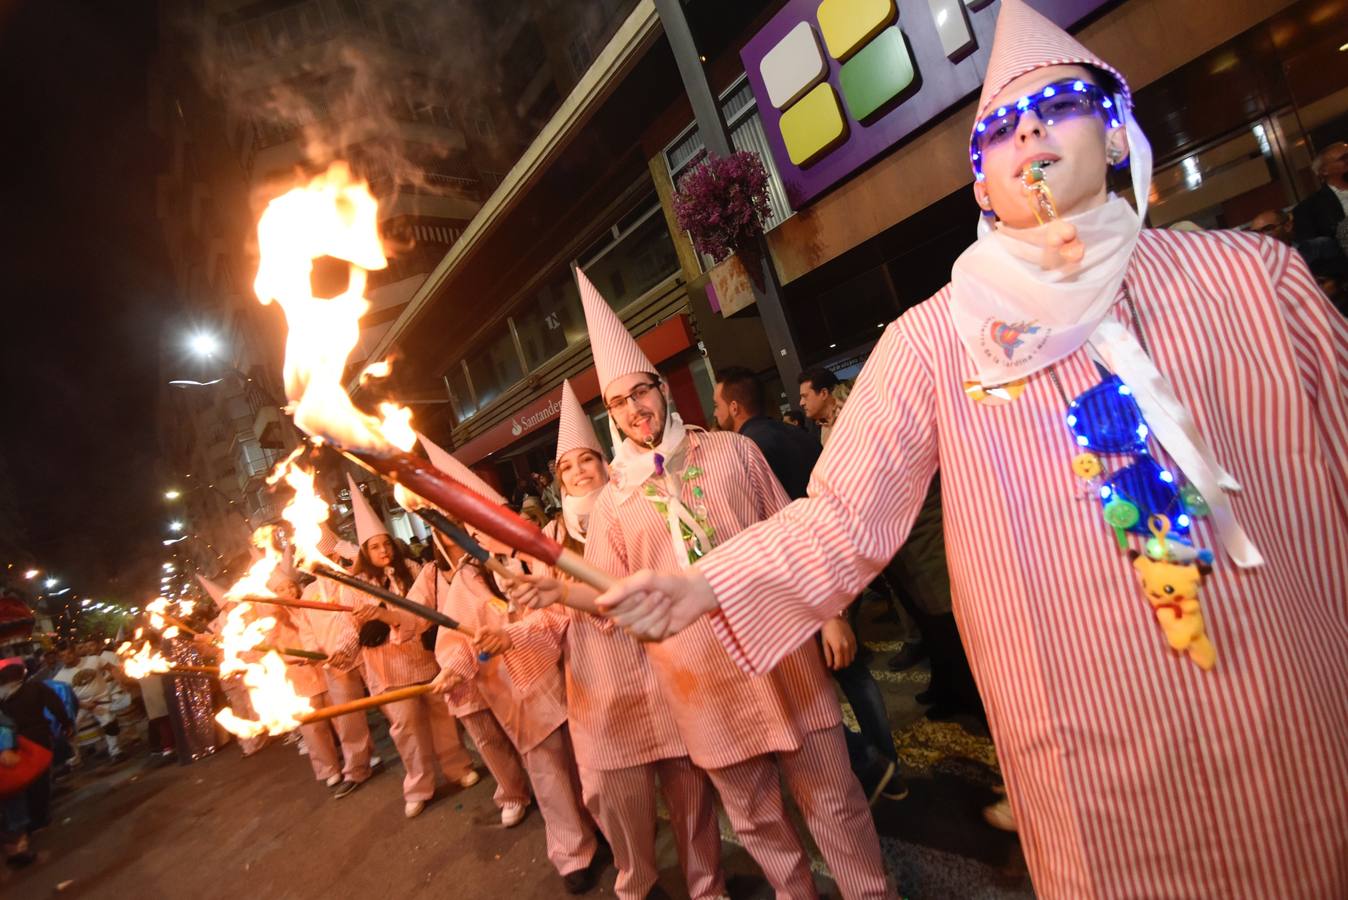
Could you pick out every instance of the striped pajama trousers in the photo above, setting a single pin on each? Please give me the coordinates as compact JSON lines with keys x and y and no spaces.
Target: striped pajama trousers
{"x":622,"y":801}
{"x":556,"y":787}
{"x":833,"y":805}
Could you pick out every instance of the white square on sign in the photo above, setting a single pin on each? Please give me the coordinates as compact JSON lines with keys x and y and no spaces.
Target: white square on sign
{"x":792,"y":67}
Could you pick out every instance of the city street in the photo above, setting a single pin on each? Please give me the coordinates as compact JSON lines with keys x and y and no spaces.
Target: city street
{"x":262,"y":827}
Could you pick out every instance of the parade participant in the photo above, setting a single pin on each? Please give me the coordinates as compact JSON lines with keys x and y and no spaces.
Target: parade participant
{"x":393,"y":656}
{"x":91,"y":677}
{"x":334,"y":635}
{"x":623,"y":735}
{"x":522,"y":687}
{"x":306,"y":678}
{"x":236,"y":693}
{"x":676,"y":491}
{"x":1151,"y":747}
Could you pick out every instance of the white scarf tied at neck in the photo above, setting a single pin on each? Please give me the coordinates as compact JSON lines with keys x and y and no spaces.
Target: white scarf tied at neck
{"x":576,"y":512}
{"x":633,"y":466}
{"x":1015,"y":317}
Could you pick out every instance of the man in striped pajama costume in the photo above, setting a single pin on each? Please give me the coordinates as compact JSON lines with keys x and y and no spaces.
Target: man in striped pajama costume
{"x":673,"y":494}
{"x":1133,"y":770}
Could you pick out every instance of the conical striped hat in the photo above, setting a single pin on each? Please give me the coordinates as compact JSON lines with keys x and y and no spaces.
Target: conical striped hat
{"x":574,"y":428}
{"x":615,"y":352}
{"x":368,"y":524}
{"x":442,"y":460}
{"x":1026,"y":41}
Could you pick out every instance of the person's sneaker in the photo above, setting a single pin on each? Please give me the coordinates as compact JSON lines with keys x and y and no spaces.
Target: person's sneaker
{"x":413,"y":808}
{"x":581,"y":881}
{"x":344,"y":788}
{"x":999,"y":815}
{"x":334,"y":781}
{"x":512,"y":814}
{"x":376,"y":762}
{"x":470,"y":779}
{"x":911,"y":654}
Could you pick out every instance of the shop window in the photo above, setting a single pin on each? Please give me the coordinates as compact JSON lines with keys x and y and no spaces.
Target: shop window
{"x":629,"y":265}
{"x":460,"y":392}
{"x":550,"y":321}
{"x":495,"y":367}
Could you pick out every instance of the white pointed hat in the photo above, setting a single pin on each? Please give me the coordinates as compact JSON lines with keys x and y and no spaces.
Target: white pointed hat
{"x":213,"y":590}
{"x":368,"y":524}
{"x":442,"y":460}
{"x":574,"y":428}
{"x":1025,"y":40}
{"x":615,"y":351}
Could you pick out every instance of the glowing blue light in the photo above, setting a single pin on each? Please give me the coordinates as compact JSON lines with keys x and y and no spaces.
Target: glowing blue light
{"x":1001,"y":111}
{"x":1113,"y":123}
{"x":1078,"y":85}
{"x":1125,"y":390}
{"x":1071,"y":421}
{"x":1023,"y":103}
{"x":1049,"y":91}
{"x":1183,"y":521}
{"x":1142,"y":431}
{"x":974,"y":156}
{"x":1167,"y":477}
{"x":1105,"y":492}
{"x":1108,"y":104}
{"x":982,"y":127}
{"x":1083,"y":440}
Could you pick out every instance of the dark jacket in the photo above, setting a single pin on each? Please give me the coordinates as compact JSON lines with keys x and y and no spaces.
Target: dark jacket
{"x":1318,"y":215}
{"x":26,"y":706}
{"x":791,"y":452}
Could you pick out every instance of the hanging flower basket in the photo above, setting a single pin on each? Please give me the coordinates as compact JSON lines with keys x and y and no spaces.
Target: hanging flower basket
{"x":723,"y":203}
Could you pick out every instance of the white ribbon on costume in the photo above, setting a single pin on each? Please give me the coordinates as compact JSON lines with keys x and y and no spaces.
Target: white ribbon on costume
{"x":576,"y":512}
{"x":633,"y":466}
{"x":1000,"y":282}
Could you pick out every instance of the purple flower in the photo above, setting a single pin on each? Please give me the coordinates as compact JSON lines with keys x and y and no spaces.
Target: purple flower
{"x":723,"y":202}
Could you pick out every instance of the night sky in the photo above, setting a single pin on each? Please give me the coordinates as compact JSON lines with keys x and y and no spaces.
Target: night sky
{"x":86,"y":285}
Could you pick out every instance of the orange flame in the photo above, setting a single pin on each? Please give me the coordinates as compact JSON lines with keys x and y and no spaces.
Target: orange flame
{"x":138,"y":664}
{"x":332,"y":216}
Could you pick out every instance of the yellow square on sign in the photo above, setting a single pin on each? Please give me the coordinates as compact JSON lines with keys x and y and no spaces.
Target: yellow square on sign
{"x":813,"y":124}
{"x":848,"y":24}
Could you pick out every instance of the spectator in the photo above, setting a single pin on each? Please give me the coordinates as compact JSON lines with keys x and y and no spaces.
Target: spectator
{"x":1318,"y":216}
{"x":821,"y":396}
{"x":25,"y":703}
{"x":791,"y":454}
{"x":1326,"y":256}
{"x":795,"y":416}
{"x":547,"y":493}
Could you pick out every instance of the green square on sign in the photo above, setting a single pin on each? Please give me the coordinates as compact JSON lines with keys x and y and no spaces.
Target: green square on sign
{"x":878,"y":73}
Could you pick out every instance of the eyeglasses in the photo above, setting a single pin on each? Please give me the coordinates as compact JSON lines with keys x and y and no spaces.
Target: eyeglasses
{"x":1057,"y":102}
{"x":1107,"y":419}
{"x":637,"y":394}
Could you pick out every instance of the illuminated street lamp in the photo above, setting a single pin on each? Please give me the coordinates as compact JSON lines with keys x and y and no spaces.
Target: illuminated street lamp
{"x":51,"y":583}
{"x":173,"y":494}
{"x":31,"y":574}
{"x":171,"y":542}
{"x":204,"y":344}
{"x":176,"y":525}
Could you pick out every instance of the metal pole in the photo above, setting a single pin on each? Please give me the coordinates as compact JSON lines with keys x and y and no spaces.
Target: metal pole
{"x":716,"y":138}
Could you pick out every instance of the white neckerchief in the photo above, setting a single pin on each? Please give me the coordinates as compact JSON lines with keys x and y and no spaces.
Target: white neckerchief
{"x":576,"y":512}
{"x":1018,"y":312}
{"x":633,"y":466}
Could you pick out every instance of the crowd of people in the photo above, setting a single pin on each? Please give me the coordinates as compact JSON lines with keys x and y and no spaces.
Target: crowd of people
{"x":1029,"y":465}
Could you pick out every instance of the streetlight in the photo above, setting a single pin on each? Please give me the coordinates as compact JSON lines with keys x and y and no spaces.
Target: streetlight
{"x":172,"y":494}
{"x":203,"y":343}
{"x":168,"y":567}
{"x":51,"y":583}
{"x":176,"y":525}
{"x":31,"y":574}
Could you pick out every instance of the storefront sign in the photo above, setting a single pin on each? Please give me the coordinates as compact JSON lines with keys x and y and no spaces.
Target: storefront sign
{"x":839,"y":82}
